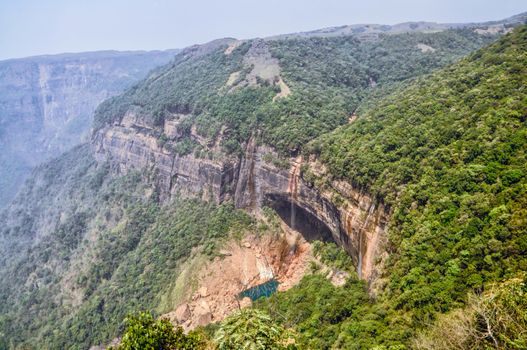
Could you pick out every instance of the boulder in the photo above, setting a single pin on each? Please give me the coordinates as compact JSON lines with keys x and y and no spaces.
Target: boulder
{"x":202,"y":314}
{"x":182,"y":313}
{"x":245,"y":302}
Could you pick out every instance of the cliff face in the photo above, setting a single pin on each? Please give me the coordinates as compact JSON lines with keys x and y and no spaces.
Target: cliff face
{"x":337,"y":213}
{"x":47,"y":104}
{"x":222,"y":97}
{"x":225,"y":97}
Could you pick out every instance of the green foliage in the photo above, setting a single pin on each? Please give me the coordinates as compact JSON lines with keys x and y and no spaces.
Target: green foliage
{"x":328,"y":317}
{"x":144,"y":333}
{"x":346,"y":62}
{"x":186,"y":146}
{"x":137,"y":277}
{"x":179,"y":87}
{"x":496,"y":319}
{"x":134,"y":248}
{"x":278,"y":162}
{"x":252,"y":329}
{"x":329,"y":78}
{"x":448,"y":155}
{"x":333,"y":256}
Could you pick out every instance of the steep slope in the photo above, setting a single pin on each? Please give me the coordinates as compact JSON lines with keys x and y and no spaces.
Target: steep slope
{"x":98,"y":248}
{"x":208,"y":134}
{"x":448,"y":156}
{"x":47,"y":104}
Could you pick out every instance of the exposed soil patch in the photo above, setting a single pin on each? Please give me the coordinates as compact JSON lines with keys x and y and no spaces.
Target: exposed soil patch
{"x":262,"y":67}
{"x":232,"y":47}
{"x":284,"y":89}
{"x":425,"y":48}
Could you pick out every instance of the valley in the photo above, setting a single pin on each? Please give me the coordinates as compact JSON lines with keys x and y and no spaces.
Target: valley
{"x":371,"y":183}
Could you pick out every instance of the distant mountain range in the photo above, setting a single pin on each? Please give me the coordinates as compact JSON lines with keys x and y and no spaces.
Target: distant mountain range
{"x":369,"y":31}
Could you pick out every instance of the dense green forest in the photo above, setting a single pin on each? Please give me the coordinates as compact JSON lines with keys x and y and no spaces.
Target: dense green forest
{"x":448,"y":154}
{"x":128,"y":265}
{"x":328,"y":77}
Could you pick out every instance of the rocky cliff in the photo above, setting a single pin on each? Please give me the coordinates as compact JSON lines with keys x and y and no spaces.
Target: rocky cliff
{"x":47,"y":104}
{"x":336,"y":212}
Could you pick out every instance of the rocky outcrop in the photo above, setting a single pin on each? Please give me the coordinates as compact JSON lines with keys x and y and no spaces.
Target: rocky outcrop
{"x":337,"y":213}
{"x":47,"y":104}
{"x":214,"y":292}
{"x":184,"y":175}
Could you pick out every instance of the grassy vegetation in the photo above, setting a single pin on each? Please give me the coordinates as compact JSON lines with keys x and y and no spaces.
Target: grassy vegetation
{"x":330,"y":254}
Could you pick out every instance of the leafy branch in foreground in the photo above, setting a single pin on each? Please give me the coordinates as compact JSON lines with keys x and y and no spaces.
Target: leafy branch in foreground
{"x":145,"y":333}
{"x":253,"y":329}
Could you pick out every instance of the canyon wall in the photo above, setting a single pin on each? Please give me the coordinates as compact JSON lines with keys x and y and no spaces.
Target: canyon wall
{"x":337,"y":212}
{"x":47,"y":104}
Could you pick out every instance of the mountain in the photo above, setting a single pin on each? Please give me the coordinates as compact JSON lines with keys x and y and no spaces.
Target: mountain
{"x":373,"y":31}
{"x":375,"y":183}
{"x":47,"y":104}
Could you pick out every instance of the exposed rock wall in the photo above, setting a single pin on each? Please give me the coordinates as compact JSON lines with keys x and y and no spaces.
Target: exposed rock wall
{"x":47,"y":104}
{"x":214,"y":293}
{"x":355,"y":220}
{"x":185,"y":175}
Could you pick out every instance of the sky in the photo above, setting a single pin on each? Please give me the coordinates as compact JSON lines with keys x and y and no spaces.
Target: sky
{"x":35,"y":27}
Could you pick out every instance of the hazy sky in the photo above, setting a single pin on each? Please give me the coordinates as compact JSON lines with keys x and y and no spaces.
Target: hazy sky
{"x":33,"y":27}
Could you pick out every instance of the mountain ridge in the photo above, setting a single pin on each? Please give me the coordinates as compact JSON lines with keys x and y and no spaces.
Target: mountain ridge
{"x":88,"y":55}
{"x":410,"y":26}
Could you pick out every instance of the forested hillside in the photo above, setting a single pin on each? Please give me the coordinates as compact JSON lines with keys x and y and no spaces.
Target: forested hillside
{"x":448,"y":154}
{"x":327,"y":78}
{"x":110,"y":250}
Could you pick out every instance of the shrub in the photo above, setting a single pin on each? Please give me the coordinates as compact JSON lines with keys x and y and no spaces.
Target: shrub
{"x":253,"y":329}
{"x":145,"y":333}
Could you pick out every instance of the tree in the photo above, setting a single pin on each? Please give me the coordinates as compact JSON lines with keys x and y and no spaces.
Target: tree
{"x":252,"y":329}
{"x":497,"y":319}
{"x":145,"y":333}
